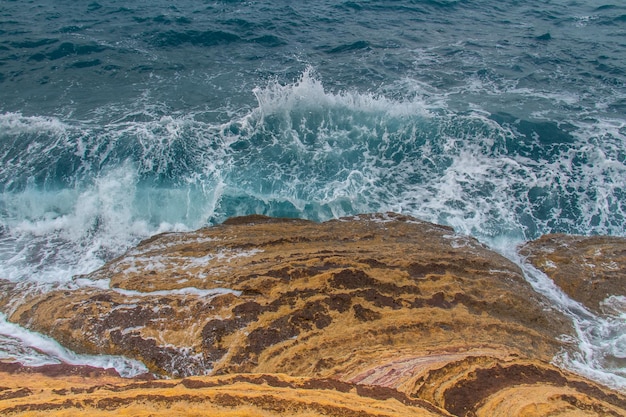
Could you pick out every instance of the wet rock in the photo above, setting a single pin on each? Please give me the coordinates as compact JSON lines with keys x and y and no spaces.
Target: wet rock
{"x":385,"y":306}
{"x":255,"y":293}
{"x":588,"y":269}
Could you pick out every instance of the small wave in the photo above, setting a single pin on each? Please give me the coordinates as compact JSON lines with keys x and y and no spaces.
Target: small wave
{"x":71,"y":49}
{"x":269,"y":41}
{"x":194,"y":37}
{"x":31,"y":44}
{"x":355,"y":46}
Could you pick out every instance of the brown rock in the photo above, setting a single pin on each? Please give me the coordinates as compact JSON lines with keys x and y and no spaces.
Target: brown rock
{"x":588,"y":269}
{"x":300,"y":295}
{"x":37,"y":393}
{"x":384,"y":307}
{"x":481,"y":387}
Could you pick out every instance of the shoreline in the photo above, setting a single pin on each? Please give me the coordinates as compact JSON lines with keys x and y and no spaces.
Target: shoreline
{"x":381,"y":300}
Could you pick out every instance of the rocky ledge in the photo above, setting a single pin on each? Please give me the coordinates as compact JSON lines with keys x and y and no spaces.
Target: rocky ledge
{"x":589,"y":269}
{"x":376,"y":314}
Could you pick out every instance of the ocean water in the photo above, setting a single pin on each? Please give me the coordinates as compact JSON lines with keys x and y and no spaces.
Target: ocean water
{"x":119,"y":120}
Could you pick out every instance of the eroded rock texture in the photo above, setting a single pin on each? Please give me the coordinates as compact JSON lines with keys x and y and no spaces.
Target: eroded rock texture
{"x":70,"y":391}
{"x":588,"y":269}
{"x":384,"y":304}
{"x":498,"y":390}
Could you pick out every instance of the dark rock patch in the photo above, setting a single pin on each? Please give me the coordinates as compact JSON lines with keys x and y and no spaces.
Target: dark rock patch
{"x":365,"y":314}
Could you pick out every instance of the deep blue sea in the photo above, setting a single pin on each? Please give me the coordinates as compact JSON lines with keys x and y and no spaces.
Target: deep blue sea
{"x":504,"y":119}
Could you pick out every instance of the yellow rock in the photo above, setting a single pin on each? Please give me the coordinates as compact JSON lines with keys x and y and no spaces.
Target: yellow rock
{"x":33,"y":392}
{"x":373,"y":311}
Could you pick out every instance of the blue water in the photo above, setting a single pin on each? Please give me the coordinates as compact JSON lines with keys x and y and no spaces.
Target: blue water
{"x":119,"y":120}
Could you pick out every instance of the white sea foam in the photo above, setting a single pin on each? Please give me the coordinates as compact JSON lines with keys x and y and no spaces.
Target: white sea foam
{"x":56,"y":235}
{"x":210,"y":293}
{"x":16,"y":123}
{"x":35,"y":349}
{"x":145,"y":260}
{"x":309,"y":93}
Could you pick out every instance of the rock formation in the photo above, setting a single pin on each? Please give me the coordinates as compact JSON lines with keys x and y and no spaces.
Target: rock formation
{"x":380,"y":310}
{"x":588,"y":269}
{"x":67,"y":391}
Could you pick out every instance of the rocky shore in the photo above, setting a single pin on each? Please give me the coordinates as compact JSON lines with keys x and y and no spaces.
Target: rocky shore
{"x":590,"y":270}
{"x":377,"y":314}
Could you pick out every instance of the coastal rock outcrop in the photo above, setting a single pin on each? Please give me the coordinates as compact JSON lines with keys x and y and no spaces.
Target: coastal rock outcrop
{"x":64,"y":391}
{"x":512,"y":390}
{"x":406,"y":311}
{"x":589,"y":269}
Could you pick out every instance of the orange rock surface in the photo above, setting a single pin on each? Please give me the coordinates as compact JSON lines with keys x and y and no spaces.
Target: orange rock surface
{"x":480,"y":389}
{"x":385,"y":304}
{"x":71,"y":391}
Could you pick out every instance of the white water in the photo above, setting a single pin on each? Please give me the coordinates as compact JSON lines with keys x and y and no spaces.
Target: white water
{"x":34,"y":349}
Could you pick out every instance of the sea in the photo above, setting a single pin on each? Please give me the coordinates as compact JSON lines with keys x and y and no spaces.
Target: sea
{"x":504,"y":119}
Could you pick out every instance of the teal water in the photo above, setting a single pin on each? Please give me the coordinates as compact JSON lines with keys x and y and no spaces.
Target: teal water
{"x":119,"y":120}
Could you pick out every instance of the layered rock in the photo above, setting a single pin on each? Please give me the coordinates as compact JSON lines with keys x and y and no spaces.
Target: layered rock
{"x":65,"y":390}
{"x":589,"y":269}
{"x":517,"y":389}
{"x":325,"y":300}
{"x":378,"y":302}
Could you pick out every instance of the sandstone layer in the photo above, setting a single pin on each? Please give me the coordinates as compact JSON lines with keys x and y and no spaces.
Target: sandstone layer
{"x":499,"y":391}
{"x":407,"y":311}
{"x":70,"y":391}
{"x":588,"y":269}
